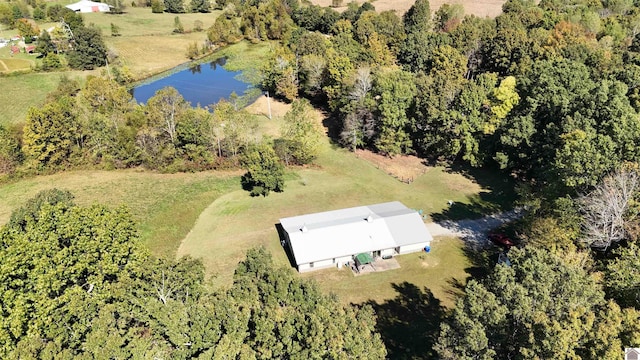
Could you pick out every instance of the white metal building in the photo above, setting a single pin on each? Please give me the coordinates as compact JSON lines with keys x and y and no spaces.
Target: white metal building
{"x":86,"y":6}
{"x":333,"y":238}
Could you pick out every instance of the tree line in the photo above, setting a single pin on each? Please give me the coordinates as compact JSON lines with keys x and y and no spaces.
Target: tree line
{"x":100,"y":125}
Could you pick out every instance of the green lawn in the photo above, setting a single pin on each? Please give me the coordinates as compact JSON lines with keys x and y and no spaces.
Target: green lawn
{"x":137,"y":21}
{"x":437,"y":271}
{"x":19,"y":92}
{"x":147,"y":44}
{"x":9,"y":65}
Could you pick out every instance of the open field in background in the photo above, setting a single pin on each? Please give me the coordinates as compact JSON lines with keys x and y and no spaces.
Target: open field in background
{"x":481,"y":8}
{"x":138,"y":21}
{"x":164,"y":205}
{"x":147,"y":44}
{"x":19,"y":92}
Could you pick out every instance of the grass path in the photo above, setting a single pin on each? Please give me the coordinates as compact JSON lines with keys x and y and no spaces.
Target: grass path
{"x":4,"y":65}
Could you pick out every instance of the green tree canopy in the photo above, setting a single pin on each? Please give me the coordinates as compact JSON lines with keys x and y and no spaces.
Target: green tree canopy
{"x":51,"y":134}
{"x":174,"y":6}
{"x":301,"y":133}
{"x":89,"y":50}
{"x":61,"y":262}
{"x":265,"y":172}
{"x":539,"y":307}
{"x":287,"y":317}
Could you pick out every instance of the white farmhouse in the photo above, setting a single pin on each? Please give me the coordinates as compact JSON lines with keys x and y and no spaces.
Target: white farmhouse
{"x":86,"y":6}
{"x":333,"y":238}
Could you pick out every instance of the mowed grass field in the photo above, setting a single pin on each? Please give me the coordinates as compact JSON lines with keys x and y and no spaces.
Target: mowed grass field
{"x":206,"y":215}
{"x":19,"y":92}
{"x":147,"y":44}
{"x":236,"y":222}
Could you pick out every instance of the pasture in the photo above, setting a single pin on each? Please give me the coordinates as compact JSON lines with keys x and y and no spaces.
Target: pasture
{"x":164,"y":205}
{"x":147,"y":44}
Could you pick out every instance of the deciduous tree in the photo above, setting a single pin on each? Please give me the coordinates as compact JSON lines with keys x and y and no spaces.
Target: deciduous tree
{"x":51,"y":134}
{"x":264,"y":173}
{"x":301,"y":132}
{"x":539,"y":307}
{"x":89,"y":49}
{"x":607,"y":209}
{"x":394,"y":91}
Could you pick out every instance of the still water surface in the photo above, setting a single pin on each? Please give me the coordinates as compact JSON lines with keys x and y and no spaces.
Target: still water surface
{"x":203,"y":84}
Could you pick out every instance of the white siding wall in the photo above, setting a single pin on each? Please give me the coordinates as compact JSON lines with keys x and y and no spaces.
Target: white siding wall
{"x":340,"y":261}
{"x":387,"y":252}
{"x":413,"y":247}
{"x":303,"y":267}
{"x":322,"y":264}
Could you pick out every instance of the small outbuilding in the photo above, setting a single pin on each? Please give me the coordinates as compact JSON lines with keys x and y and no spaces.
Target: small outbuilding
{"x":87,"y":6}
{"x":334,"y":238}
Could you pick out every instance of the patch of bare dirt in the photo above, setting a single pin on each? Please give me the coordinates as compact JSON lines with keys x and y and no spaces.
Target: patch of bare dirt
{"x":481,"y":8}
{"x":262,"y":104}
{"x":405,"y":168}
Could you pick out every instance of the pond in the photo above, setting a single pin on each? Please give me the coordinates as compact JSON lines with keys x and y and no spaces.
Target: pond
{"x":203,"y":84}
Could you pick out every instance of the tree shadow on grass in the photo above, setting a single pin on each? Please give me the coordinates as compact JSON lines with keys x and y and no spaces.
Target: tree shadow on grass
{"x":482,"y":260}
{"x":498,"y":194}
{"x":410,"y":323}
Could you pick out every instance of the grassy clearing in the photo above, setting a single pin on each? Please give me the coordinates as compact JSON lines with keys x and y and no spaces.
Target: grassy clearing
{"x":235,"y":222}
{"x":21,"y":91}
{"x":9,"y":65}
{"x":142,"y":22}
{"x":165,"y":205}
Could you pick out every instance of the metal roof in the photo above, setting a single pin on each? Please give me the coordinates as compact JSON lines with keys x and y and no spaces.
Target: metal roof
{"x":346,"y":232}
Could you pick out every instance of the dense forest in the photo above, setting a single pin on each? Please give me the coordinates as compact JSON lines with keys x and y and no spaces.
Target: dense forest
{"x":546,"y":93}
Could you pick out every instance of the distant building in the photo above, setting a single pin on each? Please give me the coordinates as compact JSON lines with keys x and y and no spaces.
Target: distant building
{"x":86,"y":6}
{"x":333,"y":238}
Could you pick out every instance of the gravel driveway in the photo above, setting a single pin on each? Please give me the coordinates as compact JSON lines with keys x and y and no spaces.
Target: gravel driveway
{"x":474,"y":231}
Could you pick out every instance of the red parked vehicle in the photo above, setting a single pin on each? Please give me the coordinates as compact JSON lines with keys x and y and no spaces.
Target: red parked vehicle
{"x":501,"y":240}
